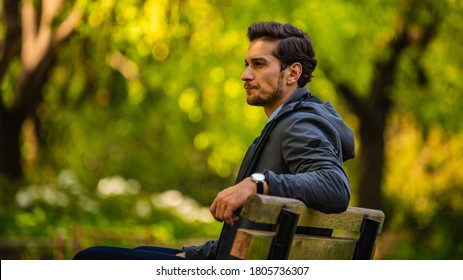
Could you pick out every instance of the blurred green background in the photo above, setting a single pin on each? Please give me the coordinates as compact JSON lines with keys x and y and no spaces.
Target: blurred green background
{"x":121,"y":120}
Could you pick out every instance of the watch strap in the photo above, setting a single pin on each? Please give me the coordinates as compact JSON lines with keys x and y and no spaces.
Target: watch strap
{"x":260,"y":187}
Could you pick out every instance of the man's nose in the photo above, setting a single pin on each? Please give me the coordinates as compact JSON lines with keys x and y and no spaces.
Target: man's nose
{"x":247,"y":75}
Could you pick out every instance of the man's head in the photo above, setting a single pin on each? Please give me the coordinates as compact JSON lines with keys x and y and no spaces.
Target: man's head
{"x":280,"y":59}
{"x":293,"y":45}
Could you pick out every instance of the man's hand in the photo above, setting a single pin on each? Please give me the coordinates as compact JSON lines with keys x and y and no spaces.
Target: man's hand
{"x":231,"y":199}
{"x":182,"y":255}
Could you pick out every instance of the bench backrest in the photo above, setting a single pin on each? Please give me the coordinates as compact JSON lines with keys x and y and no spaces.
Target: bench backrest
{"x":304,"y":233}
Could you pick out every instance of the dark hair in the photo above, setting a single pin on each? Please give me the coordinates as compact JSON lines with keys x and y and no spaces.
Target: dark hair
{"x":294,"y":45}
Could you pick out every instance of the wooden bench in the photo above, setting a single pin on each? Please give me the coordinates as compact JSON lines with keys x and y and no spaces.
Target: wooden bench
{"x":303,"y":233}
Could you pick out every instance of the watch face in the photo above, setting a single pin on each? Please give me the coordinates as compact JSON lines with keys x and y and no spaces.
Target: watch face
{"x":258,"y":177}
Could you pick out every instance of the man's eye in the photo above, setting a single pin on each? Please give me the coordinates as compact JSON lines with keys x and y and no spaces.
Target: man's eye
{"x":258,"y":64}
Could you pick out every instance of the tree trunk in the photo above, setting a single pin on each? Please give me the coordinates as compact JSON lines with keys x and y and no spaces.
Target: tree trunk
{"x":10,"y":152}
{"x":36,"y":45}
{"x":373,"y":108}
{"x":371,"y":163}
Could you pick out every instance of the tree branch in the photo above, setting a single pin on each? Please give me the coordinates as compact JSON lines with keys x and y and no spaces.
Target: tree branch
{"x":38,"y":52}
{"x":68,"y":25}
{"x":40,"y":40}
{"x":428,"y":34}
{"x":35,"y":40}
{"x":355,"y":102}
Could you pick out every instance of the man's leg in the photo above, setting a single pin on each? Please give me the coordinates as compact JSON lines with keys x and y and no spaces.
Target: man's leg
{"x":118,"y":253}
{"x":163,"y":250}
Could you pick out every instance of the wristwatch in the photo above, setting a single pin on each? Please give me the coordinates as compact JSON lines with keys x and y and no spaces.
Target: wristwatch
{"x":259,"y":179}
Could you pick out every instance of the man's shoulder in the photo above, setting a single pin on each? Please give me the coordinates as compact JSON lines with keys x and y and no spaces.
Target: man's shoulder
{"x":301,"y":110}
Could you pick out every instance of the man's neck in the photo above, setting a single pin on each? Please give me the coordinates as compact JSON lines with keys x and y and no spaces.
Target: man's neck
{"x":269,"y":111}
{"x":285,"y":96}
{"x":274,"y":114}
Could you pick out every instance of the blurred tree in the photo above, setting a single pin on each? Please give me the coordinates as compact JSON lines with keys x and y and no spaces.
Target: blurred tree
{"x":32,"y":37}
{"x":399,"y":56}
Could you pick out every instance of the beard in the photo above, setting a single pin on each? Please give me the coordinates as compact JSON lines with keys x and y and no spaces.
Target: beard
{"x":268,"y":99}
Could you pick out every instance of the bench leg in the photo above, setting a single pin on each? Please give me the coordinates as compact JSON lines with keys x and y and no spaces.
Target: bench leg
{"x":366,"y":243}
{"x":286,"y":228}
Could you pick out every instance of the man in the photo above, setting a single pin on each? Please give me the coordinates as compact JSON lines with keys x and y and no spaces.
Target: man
{"x":300,"y":151}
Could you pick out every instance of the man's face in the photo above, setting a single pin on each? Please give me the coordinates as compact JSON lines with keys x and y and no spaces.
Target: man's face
{"x":263,"y":77}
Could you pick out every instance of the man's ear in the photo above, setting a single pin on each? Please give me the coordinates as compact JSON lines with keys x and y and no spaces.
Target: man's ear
{"x":294,"y":73}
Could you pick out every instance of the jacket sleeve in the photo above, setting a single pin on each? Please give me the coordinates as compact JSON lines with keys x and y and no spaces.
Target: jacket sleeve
{"x":207,"y":251}
{"x":312,"y":152}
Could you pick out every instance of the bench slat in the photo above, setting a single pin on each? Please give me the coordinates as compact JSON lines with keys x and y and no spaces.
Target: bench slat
{"x":266,"y":209}
{"x":254,"y":245}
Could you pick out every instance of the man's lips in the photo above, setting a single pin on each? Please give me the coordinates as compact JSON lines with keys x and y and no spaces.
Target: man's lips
{"x":249,"y":86}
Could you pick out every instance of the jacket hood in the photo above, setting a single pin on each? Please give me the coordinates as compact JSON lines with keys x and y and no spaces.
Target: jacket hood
{"x":302,"y":99}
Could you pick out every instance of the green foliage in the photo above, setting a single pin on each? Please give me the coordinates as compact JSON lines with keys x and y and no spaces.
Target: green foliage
{"x":424,"y":192}
{"x":116,"y":213}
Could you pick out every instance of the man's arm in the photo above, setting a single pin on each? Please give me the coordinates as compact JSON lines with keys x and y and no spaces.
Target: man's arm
{"x":207,"y":251}
{"x":232,"y":198}
{"x":311,"y":149}
{"x":312,"y":152}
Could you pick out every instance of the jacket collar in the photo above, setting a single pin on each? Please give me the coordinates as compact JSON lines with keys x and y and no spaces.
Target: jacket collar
{"x":300,"y":94}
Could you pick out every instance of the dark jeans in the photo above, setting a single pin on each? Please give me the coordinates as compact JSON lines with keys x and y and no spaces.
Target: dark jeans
{"x":118,"y":253}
